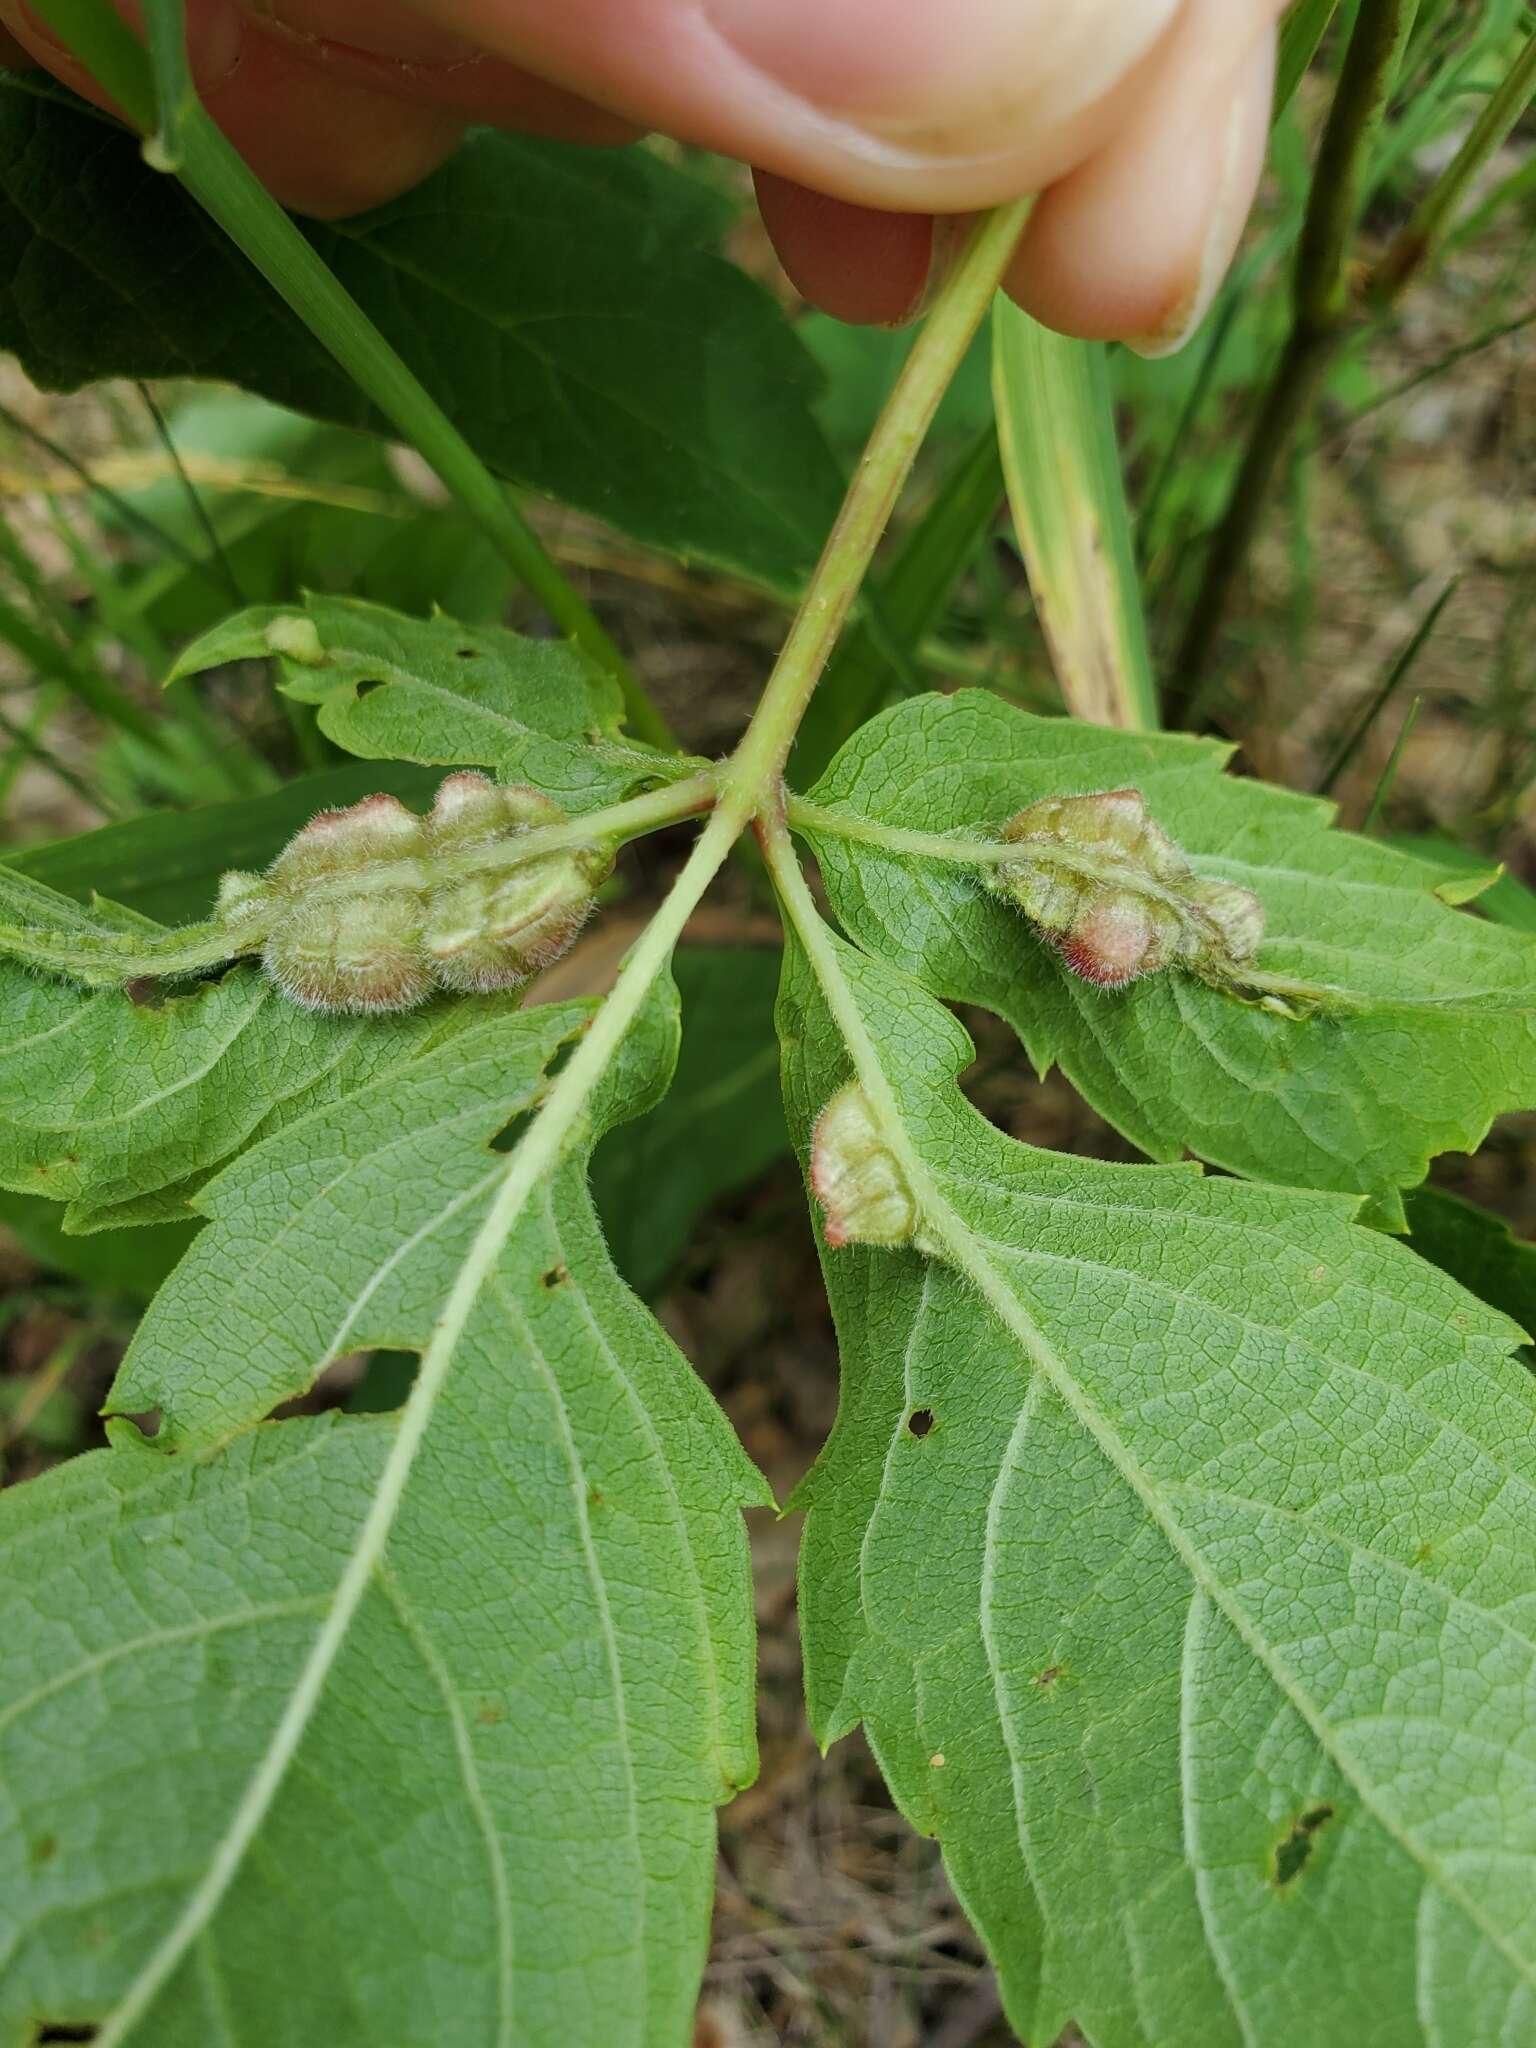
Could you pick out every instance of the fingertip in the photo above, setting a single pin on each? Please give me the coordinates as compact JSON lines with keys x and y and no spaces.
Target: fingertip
{"x":323,"y":144}
{"x":870,"y":269}
{"x":1134,"y":245}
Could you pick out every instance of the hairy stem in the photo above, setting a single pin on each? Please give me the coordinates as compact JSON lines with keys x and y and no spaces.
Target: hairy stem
{"x":1319,"y":321}
{"x":749,"y":782}
{"x":217,"y":177}
{"x":107,"y":959}
{"x":1245,"y":984}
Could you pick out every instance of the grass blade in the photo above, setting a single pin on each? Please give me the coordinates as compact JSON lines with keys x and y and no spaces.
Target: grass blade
{"x":1060,"y":456}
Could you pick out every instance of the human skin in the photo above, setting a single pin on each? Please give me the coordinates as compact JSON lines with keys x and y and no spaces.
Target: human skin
{"x":870,"y":124}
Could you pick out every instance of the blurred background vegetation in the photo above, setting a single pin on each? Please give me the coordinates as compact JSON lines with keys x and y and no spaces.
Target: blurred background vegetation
{"x":1333,"y":531}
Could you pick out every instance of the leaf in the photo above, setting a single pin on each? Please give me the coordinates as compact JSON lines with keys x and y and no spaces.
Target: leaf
{"x":566,"y":306}
{"x":118,"y":1108}
{"x":1502,"y":897}
{"x":435,"y":691}
{"x":1173,"y":1548}
{"x":497,"y":1816}
{"x":716,"y":1129}
{"x":127,"y":1262}
{"x":293,"y":507}
{"x":1476,"y":1248}
{"x":1439,"y":1038}
{"x":1056,"y":429}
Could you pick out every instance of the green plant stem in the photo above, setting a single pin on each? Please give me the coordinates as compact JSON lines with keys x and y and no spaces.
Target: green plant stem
{"x":107,"y":959}
{"x":1319,"y":320}
{"x":877,"y":483}
{"x":1245,"y":984}
{"x":1435,"y":215}
{"x":1393,"y":681}
{"x":219,"y":180}
{"x":749,"y":784}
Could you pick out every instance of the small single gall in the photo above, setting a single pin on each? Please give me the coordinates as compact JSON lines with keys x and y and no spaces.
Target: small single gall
{"x":864,"y":1195}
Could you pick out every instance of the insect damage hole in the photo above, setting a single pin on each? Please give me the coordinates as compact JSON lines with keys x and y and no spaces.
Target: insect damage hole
{"x":920,"y":1422}
{"x":1291,"y":1854}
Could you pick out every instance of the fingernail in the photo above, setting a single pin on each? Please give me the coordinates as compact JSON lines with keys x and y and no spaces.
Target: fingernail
{"x":1224,"y":224}
{"x":950,"y":234}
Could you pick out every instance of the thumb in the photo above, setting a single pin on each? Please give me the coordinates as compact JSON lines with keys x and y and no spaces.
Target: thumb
{"x":894,"y":103}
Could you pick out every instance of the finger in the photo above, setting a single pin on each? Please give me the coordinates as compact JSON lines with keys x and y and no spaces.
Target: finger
{"x":1135,"y":242}
{"x":892,"y":103}
{"x":862,"y":266}
{"x":387,"y":47}
{"x":330,"y":129}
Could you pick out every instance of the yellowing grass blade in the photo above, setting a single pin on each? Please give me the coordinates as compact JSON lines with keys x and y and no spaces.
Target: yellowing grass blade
{"x":1056,"y":428}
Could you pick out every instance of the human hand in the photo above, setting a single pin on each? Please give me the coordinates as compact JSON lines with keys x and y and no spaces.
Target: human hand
{"x":1141,"y":122}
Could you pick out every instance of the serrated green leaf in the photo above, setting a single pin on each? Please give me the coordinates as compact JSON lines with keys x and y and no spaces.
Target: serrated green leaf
{"x":119,"y":1109}
{"x":564,"y":305}
{"x":1440,"y":1034}
{"x":497,"y":1822}
{"x":1502,"y":897}
{"x":1194,"y":1614}
{"x":434,"y":691}
{"x":311,"y":1222}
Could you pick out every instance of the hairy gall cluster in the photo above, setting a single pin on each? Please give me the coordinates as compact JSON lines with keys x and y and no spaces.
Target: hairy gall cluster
{"x":372,"y":908}
{"x":1117,"y":898}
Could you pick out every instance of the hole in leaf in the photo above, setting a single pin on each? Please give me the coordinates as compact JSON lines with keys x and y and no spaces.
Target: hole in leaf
{"x":368,"y":685}
{"x":1049,"y":1676}
{"x":467,"y":653}
{"x":385,"y":1384}
{"x":920,"y":1421}
{"x":556,"y":1277}
{"x":1291,"y":1854}
{"x":66,"y":2030}
{"x":506,"y":1138}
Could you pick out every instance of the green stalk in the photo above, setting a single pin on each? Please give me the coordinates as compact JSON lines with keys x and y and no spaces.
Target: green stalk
{"x":749,"y":785}
{"x":217,"y":177}
{"x":1319,"y":321}
{"x":1435,"y":215}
